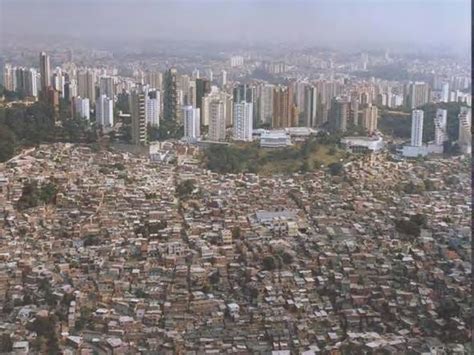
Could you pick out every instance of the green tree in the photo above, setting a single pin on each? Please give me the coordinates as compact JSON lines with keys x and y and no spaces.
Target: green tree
{"x":412,"y":188}
{"x":123,"y":103}
{"x":214,"y":277}
{"x":269,"y":263}
{"x":185,"y":188}
{"x":287,"y":258}
{"x":6,"y":343}
{"x":429,"y":185}
{"x":419,"y":219}
{"x":409,"y":227}
{"x":336,"y":169}
{"x":29,"y":196}
{"x":305,"y":167}
{"x":236,"y":232}
{"x":47,"y":193}
{"x":448,"y":308}
{"x":8,"y":143}
{"x":45,"y":328}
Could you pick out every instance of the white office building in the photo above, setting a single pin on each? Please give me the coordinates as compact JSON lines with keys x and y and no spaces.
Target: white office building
{"x":192,"y":123}
{"x":8,"y":77}
{"x":243,"y":121}
{"x":153,"y":105}
{"x":275,"y":139}
{"x":236,"y":61}
{"x":104,"y":111}
{"x":440,"y":124}
{"x":82,"y":107}
{"x":445,"y":92}
{"x":417,"y":128}
{"x":465,"y":136}
{"x":224,"y":78}
{"x":360,"y":144}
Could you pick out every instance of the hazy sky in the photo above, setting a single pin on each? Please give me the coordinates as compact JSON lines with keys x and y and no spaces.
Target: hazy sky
{"x":303,"y":21}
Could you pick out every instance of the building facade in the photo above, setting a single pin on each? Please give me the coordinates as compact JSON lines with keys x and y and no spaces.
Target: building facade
{"x":417,"y":128}
{"x":440,"y":124}
{"x":217,"y":120}
{"x":192,"y":123}
{"x":139,"y":124}
{"x":243,"y":121}
{"x":104,"y":111}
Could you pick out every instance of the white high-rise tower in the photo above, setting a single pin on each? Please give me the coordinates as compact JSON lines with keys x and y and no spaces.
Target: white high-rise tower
{"x":104,"y":111}
{"x":417,"y":128}
{"x":440,"y":123}
{"x":192,"y":123}
{"x":243,"y":121}
{"x":152,"y":99}
{"x":465,"y":136}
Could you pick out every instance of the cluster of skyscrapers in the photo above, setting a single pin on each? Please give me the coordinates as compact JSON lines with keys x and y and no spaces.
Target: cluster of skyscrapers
{"x":440,"y":120}
{"x":217,"y":108}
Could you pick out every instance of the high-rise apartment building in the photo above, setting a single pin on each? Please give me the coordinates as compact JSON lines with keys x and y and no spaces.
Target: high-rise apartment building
{"x":227,"y":101}
{"x":191,"y":94}
{"x":70,"y":89}
{"x":243,"y":121}
{"x":298,"y":90}
{"x":285,"y":112}
{"x":310,"y":106}
{"x":266,"y":104}
{"x":370,"y":118}
{"x":465,"y":134}
{"x":86,"y":84}
{"x":243,"y":92}
{"x":81,"y":107}
{"x":210,"y":74}
{"x":417,"y":128}
{"x":153,"y":108}
{"x":104,"y":111}
{"x":440,"y":124}
{"x":339,"y":114}
{"x":418,"y":94}
{"x":203,"y":87}
{"x":223,"y":78}
{"x":192,"y":123}
{"x":354,"y":111}
{"x":8,"y":77}
{"x":217,"y":124}
{"x":236,"y":61}
{"x":52,"y":98}
{"x":139,"y":124}
{"x":107,"y":86}
{"x":154,"y":79}
{"x":45,"y":71}
{"x":445,"y":92}
{"x":170,"y":96}
{"x":25,"y":81}
{"x":58,"y":81}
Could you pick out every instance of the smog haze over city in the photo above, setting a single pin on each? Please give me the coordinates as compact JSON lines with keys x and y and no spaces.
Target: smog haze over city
{"x":268,"y":177}
{"x":367,"y":23}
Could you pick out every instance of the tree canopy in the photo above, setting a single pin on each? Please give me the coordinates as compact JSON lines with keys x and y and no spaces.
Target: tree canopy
{"x":22,"y":125}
